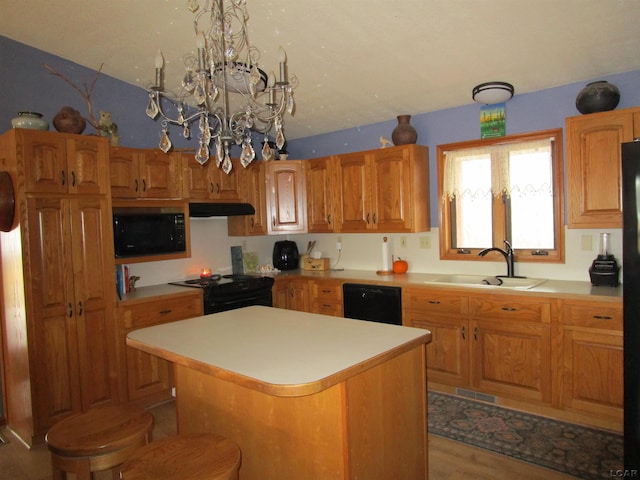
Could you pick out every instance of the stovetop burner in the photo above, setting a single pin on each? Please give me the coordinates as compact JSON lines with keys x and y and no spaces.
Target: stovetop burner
{"x":217,"y":280}
{"x":226,"y":292}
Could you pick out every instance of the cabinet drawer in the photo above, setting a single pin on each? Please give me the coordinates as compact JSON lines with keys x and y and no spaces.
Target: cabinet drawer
{"x":434,"y":301}
{"x":507,"y":307}
{"x":593,"y":316}
{"x":327,"y":308}
{"x":161,"y":310}
{"x":326,"y":292}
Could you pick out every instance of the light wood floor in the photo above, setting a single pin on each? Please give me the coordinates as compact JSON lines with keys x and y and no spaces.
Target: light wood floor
{"x":448,"y":460}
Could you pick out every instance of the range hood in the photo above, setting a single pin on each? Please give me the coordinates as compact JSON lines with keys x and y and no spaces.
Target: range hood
{"x":204,"y":209}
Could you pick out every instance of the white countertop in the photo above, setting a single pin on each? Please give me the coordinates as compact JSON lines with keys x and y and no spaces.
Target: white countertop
{"x":276,"y":347}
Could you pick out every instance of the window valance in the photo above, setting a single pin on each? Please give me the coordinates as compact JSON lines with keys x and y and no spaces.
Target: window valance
{"x":499,"y":169}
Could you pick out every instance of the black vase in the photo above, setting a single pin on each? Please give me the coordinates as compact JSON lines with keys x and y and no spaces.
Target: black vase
{"x":598,"y":96}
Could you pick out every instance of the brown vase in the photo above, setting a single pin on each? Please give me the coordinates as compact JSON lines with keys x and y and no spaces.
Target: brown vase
{"x":404,"y":132}
{"x":69,"y":120}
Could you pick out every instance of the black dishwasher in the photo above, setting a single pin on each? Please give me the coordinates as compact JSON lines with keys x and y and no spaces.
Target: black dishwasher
{"x":373,"y":303}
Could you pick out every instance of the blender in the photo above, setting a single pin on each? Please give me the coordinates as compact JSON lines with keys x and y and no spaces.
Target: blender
{"x":604,"y":270}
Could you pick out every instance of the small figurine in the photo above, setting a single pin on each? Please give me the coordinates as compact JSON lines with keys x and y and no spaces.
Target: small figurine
{"x":107,"y":128}
{"x":384,"y":143}
{"x":132,"y":282}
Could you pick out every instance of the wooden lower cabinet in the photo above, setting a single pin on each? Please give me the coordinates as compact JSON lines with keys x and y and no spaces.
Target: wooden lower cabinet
{"x":445,"y":314}
{"x":326,"y":297}
{"x":498,"y":344}
{"x":291,"y":293}
{"x":147,"y":379}
{"x":560,"y":358}
{"x":511,"y":346}
{"x":592,"y":361}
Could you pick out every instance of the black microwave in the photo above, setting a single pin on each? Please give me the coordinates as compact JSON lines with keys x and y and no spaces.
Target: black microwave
{"x":140,"y":233}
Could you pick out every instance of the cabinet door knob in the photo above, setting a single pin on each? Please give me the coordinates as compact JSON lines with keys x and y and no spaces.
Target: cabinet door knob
{"x":135,"y":185}
{"x":463,"y":331}
{"x":434,"y":302}
{"x":375,"y":218}
{"x":368,"y":217}
{"x":80,"y":308}
{"x":329,"y":219}
{"x":475,"y":333}
{"x":70,"y":310}
{"x":73,"y":178}
{"x":63,"y":177}
{"x":164,"y":312}
{"x":144,"y":185}
{"x":210,"y":187}
{"x":509,"y":309}
{"x":602,"y":317}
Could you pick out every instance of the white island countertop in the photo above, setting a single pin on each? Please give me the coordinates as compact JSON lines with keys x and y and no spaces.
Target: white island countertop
{"x":279,"y":352}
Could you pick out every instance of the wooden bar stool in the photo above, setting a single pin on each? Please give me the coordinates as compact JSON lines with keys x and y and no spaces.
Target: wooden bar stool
{"x":198,"y":456}
{"x":99,"y":439}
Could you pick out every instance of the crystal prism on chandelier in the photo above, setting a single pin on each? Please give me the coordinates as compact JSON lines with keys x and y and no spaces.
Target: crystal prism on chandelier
{"x":224,"y":95}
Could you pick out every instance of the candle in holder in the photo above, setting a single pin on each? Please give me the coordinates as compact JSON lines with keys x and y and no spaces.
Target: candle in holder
{"x":205,"y":273}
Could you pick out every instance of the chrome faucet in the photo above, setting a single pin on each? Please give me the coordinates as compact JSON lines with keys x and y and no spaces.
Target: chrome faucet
{"x":507,"y":254}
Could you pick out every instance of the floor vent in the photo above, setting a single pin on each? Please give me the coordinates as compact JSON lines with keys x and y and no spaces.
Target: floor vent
{"x":463,"y":392}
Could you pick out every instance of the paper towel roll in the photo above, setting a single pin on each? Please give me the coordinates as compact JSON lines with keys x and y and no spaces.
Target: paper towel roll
{"x":386,"y":257}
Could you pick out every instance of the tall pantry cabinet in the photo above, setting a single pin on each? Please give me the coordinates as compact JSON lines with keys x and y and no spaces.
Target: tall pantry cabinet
{"x":58,"y":278}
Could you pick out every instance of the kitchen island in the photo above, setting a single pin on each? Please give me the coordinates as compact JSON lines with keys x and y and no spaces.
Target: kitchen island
{"x":305,"y":396}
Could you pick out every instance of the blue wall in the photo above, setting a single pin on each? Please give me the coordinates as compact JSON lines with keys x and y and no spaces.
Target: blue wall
{"x":541,"y":110}
{"x":26,"y":85}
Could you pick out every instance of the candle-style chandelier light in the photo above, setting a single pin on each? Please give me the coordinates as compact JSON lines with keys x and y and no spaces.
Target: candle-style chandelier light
{"x":224,"y":91}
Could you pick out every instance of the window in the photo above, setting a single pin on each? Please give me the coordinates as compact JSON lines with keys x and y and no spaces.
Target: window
{"x":507,"y":188}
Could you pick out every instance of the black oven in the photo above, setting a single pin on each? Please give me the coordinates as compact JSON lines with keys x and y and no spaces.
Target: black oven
{"x":228,"y":292}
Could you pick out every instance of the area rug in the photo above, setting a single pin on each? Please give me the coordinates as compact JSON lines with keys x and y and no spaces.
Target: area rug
{"x":585,"y":453}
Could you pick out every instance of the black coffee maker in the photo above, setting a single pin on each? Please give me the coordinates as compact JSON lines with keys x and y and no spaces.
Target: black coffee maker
{"x":285,"y":255}
{"x":604,"y":270}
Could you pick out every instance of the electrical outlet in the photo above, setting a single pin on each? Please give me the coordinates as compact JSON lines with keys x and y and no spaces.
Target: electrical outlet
{"x":403,"y":242}
{"x":425,"y":242}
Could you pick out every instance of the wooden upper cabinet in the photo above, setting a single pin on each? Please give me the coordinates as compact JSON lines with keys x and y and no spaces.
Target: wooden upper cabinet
{"x":252,"y":191}
{"x":594,"y":166}
{"x":401,"y":196}
{"x":385,"y":189}
{"x":144,"y":173}
{"x":354,"y":186}
{"x":59,"y":163}
{"x":286,"y":196}
{"x":322,"y":197}
{"x":209,"y":182}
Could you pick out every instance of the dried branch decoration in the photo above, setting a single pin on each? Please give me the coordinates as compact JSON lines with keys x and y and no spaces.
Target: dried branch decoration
{"x":85,"y":92}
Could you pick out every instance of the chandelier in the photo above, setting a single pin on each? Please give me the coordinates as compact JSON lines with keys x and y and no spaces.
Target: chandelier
{"x":224,"y":94}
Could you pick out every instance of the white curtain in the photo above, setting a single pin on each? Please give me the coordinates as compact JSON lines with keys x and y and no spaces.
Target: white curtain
{"x":466,"y":175}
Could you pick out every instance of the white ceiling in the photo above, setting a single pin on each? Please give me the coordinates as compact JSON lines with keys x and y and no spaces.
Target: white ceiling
{"x":357,"y":61}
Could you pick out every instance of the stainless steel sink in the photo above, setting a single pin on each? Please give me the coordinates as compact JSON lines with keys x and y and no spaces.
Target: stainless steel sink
{"x":485,"y":281}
